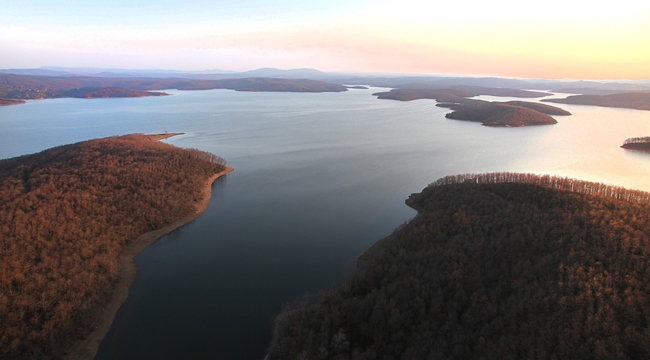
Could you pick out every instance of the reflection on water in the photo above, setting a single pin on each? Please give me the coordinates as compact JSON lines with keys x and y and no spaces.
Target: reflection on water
{"x":318,"y":179}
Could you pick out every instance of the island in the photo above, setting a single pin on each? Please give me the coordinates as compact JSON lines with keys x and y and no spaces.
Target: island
{"x":637,"y":143}
{"x":636,"y":100}
{"x":22,"y":87}
{"x":496,"y":114}
{"x":494,"y":266}
{"x":73,"y":218}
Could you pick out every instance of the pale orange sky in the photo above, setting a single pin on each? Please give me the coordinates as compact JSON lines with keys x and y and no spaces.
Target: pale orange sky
{"x":551,"y":39}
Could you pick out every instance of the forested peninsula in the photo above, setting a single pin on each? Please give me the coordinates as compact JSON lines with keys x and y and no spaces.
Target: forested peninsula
{"x":637,"y":143}
{"x":67,"y":214}
{"x":47,"y":87}
{"x":638,"y":101}
{"x":494,"y":266}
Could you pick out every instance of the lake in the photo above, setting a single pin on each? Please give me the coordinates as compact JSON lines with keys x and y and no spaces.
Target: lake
{"x":318,"y":179}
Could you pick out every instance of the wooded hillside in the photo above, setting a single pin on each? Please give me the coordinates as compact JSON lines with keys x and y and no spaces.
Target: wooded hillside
{"x":491,"y":268}
{"x":65,"y":215}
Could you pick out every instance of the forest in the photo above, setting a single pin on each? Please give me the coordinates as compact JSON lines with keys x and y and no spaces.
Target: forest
{"x":65,"y":215}
{"x":498,"y":114}
{"x":493,"y":266}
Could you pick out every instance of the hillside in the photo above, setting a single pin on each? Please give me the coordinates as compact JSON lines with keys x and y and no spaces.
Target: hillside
{"x":494,"y":266}
{"x":638,"y":101}
{"x":544,"y":109}
{"x":66,"y":214}
{"x":45,"y":87}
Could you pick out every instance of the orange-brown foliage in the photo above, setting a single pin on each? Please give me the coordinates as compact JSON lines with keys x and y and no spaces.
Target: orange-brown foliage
{"x":494,"y":266}
{"x":65,"y":215}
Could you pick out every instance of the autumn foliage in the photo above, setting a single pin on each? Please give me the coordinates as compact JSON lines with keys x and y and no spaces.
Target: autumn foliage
{"x":494,"y":266}
{"x":65,"y":215}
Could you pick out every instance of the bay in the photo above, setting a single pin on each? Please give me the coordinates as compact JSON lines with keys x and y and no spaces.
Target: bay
{"x":318,"y":179}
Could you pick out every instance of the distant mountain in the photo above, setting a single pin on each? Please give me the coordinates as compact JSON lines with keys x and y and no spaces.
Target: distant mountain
{"x":35,"y":72}
{"x":111,"y":72}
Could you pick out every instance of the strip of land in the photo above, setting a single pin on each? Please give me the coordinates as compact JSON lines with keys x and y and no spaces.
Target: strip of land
{"x":48,"y":87}
{"x":638,"y":101}
{"x":87,"y":348}
{"x":6,"y":102}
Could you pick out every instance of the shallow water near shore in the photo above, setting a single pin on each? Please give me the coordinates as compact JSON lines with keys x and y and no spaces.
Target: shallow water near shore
{"x":318,"y":179}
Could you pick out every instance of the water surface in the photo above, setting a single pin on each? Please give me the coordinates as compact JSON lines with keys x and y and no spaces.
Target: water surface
{"x":318,"y":179}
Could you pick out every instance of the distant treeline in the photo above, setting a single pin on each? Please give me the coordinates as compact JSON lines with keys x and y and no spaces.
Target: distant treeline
{"x":551,"y":182}
{"x":65,"y":215}
{"x":494,"y":266}
{"x":637,"y":143}
{"x":637,"y":140}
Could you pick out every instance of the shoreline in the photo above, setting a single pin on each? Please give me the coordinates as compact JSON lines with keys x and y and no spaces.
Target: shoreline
{"x":88,"y":346}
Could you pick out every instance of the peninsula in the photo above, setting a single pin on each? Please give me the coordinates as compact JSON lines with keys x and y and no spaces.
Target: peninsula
{"x":494,"y":266}
{"x":6,"y":102}
{"x":637,"y":100}
{"x":637,"y":143}
{"x":455,"y":93}
{"x":73,"y":218}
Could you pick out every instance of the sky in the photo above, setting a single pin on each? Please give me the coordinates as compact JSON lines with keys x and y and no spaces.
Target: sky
{"x":554,"y":39}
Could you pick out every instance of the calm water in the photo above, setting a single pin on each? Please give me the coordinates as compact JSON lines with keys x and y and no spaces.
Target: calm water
{"x":318,"y":179}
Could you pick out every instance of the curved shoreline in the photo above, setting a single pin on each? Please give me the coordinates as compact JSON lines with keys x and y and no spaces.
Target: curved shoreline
{"x":87,"y":348}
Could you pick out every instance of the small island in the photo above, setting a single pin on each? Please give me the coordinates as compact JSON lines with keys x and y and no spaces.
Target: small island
{"x":73,"y":218}
{"x":494,"y":266}
{"x":499,"y":115}
{"x":637,"y":143}
{"x":638,"y":101}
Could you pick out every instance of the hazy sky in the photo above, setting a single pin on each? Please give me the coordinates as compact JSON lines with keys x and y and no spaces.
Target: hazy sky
{"x":549,"y":39}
